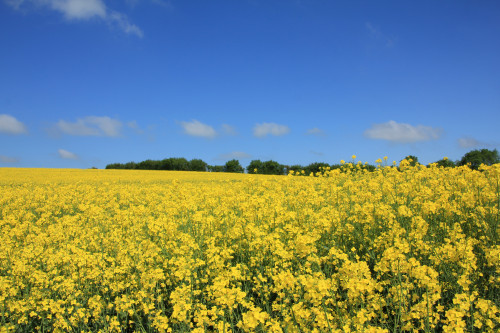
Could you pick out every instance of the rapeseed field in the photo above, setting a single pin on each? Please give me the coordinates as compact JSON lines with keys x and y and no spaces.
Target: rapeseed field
{"x":408,"y":249}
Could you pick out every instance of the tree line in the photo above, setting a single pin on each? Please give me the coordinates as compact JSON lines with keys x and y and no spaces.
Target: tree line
{"x":473,"y":159}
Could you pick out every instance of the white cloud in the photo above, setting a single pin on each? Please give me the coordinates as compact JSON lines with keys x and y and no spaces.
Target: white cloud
{"x":234,"y":155}
{"x":468,"y":142}
{"x":67,"y":155}
{"x":83,"y":10}
{"x":402,"y":133}
{"x":261,"y":130}
{"x":91,"y":126}
{"x":10,"y":125}
{"x":195,"y":128}
{"x":78,"y":9}
{"x":133,"y":125}
{"x":8,"y":159}
{"x":315,"y":131}
{"x":229,"y":130}
{"x":121,"y":21}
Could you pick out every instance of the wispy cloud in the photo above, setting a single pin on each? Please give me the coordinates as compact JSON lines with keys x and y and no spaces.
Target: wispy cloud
{"x":10,"y":125}
{"x":264,"y":129}
{"x":196,"y":128}
{"x":8,"y":159}
{"x":121,"y":21}
{"x":469,"y":142}
{"x":91,"y":126}
{"x":229,"y":130}
{"x":317,"y":153}
{"x":315,"y":131}
{"x":377,"y":34}
{"x":402,"y":133}
{"x":133,"y":125}
{"x":67,"y":155}
{"x":234,"y":155}
{"x":82,"y":10}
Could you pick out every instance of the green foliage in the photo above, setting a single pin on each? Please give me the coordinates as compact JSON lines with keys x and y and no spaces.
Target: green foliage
{"x":233,"y":166}
{"x":148,"y":165}
{"x":197,"y":165}
{"x":475,"y":158}
{"x":272,"y":168}
{"x":316,"y":167}
{"x":255,"y":166}
{"x":296,"y":168}
{"x":175,"y":163}
{"x":216,"y":168}
{"x":445,"y":163}
{"x":412,"y":159}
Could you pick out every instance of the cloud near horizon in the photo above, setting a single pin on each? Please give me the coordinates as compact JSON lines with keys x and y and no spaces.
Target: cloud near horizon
{"x":67,"y":155}
{"x":196,"y":128}
{"x":264,"y":129}
{"x":91,"y":126}
{"x":315,"y":131}
{"x":469,"y":142}
{"x":229,"y":130}
{"x":402,"y":133}
{"x":10,"y":125}
{"x":8,"y":159}
{"x":82,"y":10}
{"x":235,"y":155}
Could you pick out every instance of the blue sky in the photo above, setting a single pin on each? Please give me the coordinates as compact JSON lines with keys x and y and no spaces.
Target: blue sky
{"x":91,"y":82}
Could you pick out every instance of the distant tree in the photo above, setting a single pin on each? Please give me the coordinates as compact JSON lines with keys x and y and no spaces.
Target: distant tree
{"x":335,"y":166}
{"x":296,"y":168}
{"x":475,"y":158}
{"x":412,"y":159}
{"x":130,"y":165}
{"x":316,"y":167}
{"x":115,"y":166}
{"x":174,"y":163}
{"x":255,"y":166}
{"x":369,"y":167}
{"x":197,"y":165}
{"x":445,"y":163}
{"x":148,"y":165}
{"x":216,"y":168}
{"x":233,"y":166}
{"x":272,"y":168}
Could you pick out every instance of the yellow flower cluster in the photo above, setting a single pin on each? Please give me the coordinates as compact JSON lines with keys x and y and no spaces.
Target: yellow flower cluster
{"x":397,"y":249}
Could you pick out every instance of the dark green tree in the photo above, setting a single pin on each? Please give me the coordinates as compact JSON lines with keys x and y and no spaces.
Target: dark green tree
{"x":174,"y":163}
{"x":475,"y":158}
{"x":215,"y":168}
{"x":445,"y":163}
{"x":297,"y":168}
{"x":412,"y":159}
{"x":272,"y":168}
{"x":197,"y":165}
{"x":233,"y":166}
{"x":148,"y":165}
{"x":255,"y":166}
{"x":130,"y":165}
{"x":115,"y":166}
{"x":315,"y":167}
